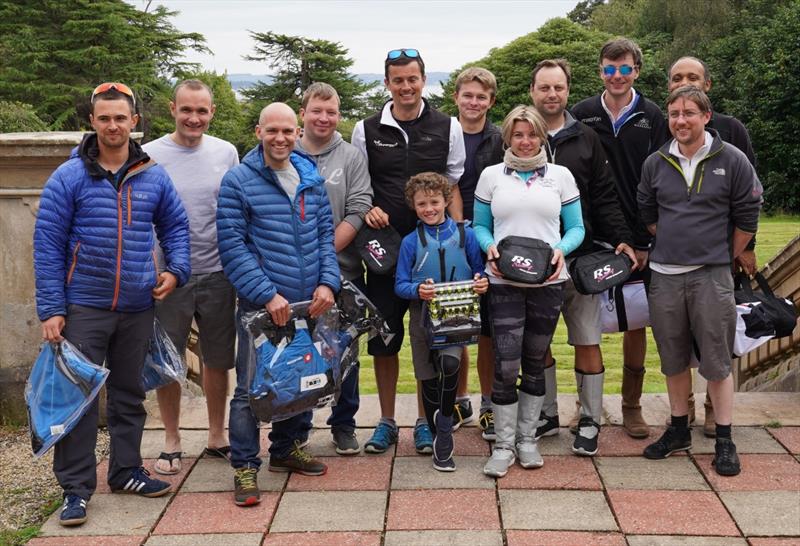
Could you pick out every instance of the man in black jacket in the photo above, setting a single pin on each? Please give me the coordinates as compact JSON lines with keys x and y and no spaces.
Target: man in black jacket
{"x":630,"y":128}
{"x":574,"y":145}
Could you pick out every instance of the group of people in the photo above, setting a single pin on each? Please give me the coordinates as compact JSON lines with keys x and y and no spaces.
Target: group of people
{"x":278,"y":228}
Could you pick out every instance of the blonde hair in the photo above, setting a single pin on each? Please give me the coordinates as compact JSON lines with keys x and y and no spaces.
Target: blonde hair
{"x":528,"y":114}
{"x":319,"y":90}
{"x":480,"y":75}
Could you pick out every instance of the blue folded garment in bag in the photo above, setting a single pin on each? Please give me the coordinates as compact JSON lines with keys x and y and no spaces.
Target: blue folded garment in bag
{"x":163,"y":364}
{"x":62,"y":385}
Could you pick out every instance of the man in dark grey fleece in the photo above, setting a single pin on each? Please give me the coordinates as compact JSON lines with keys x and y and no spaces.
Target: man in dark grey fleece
{"x":350,"y":193}
{"x":700,"y":198}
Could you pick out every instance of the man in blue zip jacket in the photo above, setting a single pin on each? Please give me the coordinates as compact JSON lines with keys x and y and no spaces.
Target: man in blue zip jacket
{"x":96,"y":279}
{"x":275,"y":234}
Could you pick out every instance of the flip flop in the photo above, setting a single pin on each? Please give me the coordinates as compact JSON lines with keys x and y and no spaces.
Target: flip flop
{"x":170,"y":458}
{"x":223,"y":452}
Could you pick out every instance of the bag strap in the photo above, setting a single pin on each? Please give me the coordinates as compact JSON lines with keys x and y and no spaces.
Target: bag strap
{"x":461,"y":234}
{"x":763,"y":284}
{"x":622,"y":315}
{"x":421,"y":234}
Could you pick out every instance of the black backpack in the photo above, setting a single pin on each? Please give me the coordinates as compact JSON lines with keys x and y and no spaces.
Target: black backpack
{"x":596,"y":272}
{"x":379,"y":248}
{"x":773,"y":316}
{"x":525,"y":260}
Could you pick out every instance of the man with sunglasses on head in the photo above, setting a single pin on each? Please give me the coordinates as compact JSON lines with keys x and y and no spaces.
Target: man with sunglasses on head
{"x":693,"y":71}
{"x":96,"y":279}
{"x":572,"y":144}
{"x":405,"y":138}
{"x":196,"y":163}
{"x":630,"y":128}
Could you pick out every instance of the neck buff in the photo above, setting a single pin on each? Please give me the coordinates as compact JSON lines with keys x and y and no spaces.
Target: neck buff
{"x":525,"y":164}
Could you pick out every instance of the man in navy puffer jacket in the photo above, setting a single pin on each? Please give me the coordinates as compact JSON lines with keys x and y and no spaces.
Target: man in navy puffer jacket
{"x":96,"y":278}
{"x":275,"y":234}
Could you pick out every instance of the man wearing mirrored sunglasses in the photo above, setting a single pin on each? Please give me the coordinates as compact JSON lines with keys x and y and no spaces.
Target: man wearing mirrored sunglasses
{"x":630,"y":128}
{"x":405,"y":138}
{"x":96,"y":279}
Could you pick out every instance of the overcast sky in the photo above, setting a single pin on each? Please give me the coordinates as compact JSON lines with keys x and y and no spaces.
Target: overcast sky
{"x":447,"y":33}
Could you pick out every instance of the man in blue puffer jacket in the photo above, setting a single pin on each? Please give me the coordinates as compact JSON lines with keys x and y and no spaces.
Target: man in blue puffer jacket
{"x":275,"y":233}
{"x":96,"y":278}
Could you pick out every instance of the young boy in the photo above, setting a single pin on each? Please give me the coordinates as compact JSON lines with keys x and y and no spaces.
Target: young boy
{"x":435,"y":252}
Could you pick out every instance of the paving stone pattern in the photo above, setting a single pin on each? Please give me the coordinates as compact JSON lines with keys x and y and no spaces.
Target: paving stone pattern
{"x":397,"y":498}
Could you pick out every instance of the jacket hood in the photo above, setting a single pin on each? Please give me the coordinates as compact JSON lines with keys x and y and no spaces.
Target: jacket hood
{"x":89,"y":150}
{"x":334,"y":143}
{"x":301,"y":161}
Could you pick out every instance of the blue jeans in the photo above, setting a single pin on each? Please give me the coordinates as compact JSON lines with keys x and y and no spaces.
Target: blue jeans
{"x":242,"y":424}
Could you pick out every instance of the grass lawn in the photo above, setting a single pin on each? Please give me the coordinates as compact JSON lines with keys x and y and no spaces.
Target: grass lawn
{"x":773,"y":234}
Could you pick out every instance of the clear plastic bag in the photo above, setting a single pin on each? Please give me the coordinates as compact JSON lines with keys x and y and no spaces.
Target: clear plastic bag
{"x":62,"y":385}
{"x":163,"y":363}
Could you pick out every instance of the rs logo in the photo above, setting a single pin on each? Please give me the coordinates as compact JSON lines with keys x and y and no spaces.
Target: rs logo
{"x":521,"y":261}
{"x":602,"y":272}
{"x":376,"y":248}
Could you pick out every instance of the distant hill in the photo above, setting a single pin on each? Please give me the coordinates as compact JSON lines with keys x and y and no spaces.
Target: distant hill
{"x":243,"y":81}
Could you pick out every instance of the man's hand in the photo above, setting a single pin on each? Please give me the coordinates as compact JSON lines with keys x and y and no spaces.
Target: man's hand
{"x":746,"y":261}
{"x":622,"y":248}
{"x":492,"y":256}
{"x":278,"y":309}
{"x":426,"y":290}
{"x":376,"y":218}
{"x":558,"y":261}
{"x":166,"y":284}
{"x":641,"y":259}
{"x":480,"y":284}
{"x":321,"y":301}
{"x":52,"y":327}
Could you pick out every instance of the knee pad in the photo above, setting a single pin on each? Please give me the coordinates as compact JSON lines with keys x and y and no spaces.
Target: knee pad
{"x":532,"y":385}
{"x":449,"y":365}
{"x":505,"y":398}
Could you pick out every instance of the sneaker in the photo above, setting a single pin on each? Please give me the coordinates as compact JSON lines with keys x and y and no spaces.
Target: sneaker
{"x":486,"y":424}
{"x":139,"y":482}
{"x":245,"y":486}
{"x":547,"y":426}
{"x":423,"y":439}
{"x":586,"y":439}
{"x":671,"y":441}
{"x":298,"y":460}
{"x":528,"y":455}
{"x":73,"y":512}
{"x":726,"y":461}
{"x":345,"y":441}
{"x":443,"y":443}
{"x":383,"y":436}
{"x":462,"y":414}
{"x":498,"y":464}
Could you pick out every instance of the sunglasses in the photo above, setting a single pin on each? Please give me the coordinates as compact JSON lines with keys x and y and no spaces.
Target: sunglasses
{"x":108,"y":86}
{"x":397,"y":53}
{"x":624,"y":70}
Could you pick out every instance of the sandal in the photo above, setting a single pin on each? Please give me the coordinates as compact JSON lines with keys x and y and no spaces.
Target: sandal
{"x":223,"y":452}
{"x":172,"y":459}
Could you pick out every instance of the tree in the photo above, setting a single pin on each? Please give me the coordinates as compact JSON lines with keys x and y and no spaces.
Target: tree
{"x":16,"y":117}
{"x":298,"y":62}
{"x":583,"y":10}
{"x":54,"y":52}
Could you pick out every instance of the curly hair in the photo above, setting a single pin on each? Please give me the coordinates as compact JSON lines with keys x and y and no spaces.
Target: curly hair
{"x":428,"y":182}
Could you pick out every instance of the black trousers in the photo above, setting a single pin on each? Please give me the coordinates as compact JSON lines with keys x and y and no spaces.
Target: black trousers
{"x":119,"y":339}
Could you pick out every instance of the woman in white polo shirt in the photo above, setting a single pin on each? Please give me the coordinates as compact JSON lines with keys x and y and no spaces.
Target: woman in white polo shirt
{"x":523,"y":196}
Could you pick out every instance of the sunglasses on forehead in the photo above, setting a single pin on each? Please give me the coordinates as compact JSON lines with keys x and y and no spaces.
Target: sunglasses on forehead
{"x":624,"y":70}
{"x":397,"y":53}
{"x":108,"y":86}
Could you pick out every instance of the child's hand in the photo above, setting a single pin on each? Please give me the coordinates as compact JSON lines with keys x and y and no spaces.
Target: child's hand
{"x":480,"y":285}
{"x":426,"y":290}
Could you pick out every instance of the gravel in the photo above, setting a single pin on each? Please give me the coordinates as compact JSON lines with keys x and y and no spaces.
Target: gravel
{"x":28,"y":488}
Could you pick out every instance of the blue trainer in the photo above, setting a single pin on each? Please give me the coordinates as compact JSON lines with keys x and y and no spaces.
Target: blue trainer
{"x":73,"y":512}
{"x":383,"y":436}
{"x":423,"y":439}
{"x":139,"y":482}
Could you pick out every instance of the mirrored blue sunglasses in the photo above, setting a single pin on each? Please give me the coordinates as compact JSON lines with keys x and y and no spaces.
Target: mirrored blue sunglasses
{"x":624,"y":70}
{"x":397,"y":53}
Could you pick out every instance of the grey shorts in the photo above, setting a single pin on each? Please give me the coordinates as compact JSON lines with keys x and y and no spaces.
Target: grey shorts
{"x":696,"y":306}
{"x":582,"y":316}
{"x":421,"y":354}
{"x":210,"y":299}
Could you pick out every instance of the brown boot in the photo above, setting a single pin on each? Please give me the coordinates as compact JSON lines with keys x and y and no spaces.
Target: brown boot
{"x":692,"y":413}
{"x":709,"y":423}
{"x":632,"y":419}
{"x":573,"y":423}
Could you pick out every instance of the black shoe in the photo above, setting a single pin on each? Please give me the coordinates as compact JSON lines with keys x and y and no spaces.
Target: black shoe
{"x":586,"y":439}
{"x":547,"y":426}
{"x":298,"y":460}
{"x":140,"y":483}
{"x":486,"y":424}
{"x":245,"y":487}
{"x":671,"y":441}
{"x":462,"y":414}
{"x":726,"y":461}
{"x":345,"y":441}
{"x":73,"y":512}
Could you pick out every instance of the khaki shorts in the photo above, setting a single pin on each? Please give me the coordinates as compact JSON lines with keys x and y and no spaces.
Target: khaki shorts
{"x":582,"y":316}
{"x":696,"y":306}
{"x":210,"y":299}
{"x":421,"y":354}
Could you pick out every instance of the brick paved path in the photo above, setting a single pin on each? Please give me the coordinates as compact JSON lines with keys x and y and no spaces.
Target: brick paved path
{"x":397,"y":498}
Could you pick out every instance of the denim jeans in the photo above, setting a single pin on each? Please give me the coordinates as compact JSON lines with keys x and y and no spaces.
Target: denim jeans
{"x":243,"y":427}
